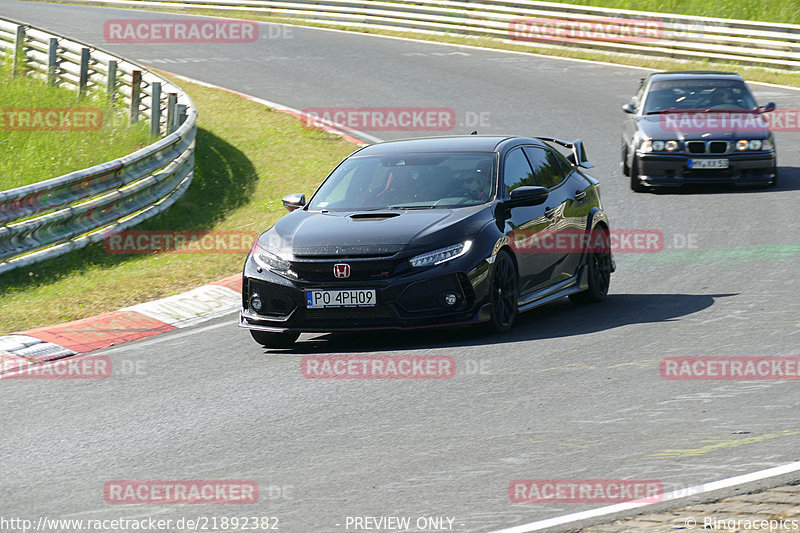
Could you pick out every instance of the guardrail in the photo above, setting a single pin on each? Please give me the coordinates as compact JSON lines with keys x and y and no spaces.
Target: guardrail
{"x":541,"y":24}
{"x":52,"y":217}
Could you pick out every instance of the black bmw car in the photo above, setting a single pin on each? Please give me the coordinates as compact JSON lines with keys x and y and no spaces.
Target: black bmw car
{"x":431,"y":232}
{"x":696,"y":127}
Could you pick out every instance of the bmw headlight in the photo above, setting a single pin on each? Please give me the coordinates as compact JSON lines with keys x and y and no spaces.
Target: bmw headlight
{"x":659,"y":146}
{"x":754,"y":144}
{"x":441,"y":255}
{"x":266,"y":258}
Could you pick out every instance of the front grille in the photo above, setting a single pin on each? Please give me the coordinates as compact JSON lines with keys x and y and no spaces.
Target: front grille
{"x":696,"y":147}
{"x":707,"y":147}
{"x":349,"y":317}
{"x":717,"y":147}
{"x":360,"y":270}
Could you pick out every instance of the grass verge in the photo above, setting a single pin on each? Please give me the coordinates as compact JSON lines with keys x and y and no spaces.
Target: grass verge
{"x":248,"y":157}
{"x":39,"y":154}
{"x":784,"y":11}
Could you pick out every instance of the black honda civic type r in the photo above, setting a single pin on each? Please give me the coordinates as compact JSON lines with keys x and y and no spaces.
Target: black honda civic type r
{"x":431,"y":232}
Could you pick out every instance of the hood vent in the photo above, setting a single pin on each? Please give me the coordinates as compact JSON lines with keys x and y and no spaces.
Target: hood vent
{"x":373,"y":216}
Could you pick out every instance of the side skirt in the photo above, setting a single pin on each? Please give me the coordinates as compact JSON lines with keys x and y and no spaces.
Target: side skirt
{"x":576,"y":283}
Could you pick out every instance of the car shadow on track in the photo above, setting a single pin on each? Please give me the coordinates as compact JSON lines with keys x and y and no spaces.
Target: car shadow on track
{"x":558,"y":319}
{"x":788,"y":180}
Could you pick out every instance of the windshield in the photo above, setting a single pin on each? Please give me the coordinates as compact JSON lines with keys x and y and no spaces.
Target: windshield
{"x":692,"y":94}
{"x":408,"y":181}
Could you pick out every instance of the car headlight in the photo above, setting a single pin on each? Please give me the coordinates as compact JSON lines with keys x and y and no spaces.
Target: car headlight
{"x":659,"y":146}
{"x":754,"y":144}
{"x":441,"y":255}
{"x":269,"y":259}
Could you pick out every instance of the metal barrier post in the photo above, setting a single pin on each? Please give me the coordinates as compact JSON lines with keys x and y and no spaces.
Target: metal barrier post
{"x":136,"y":95}
{"x":111,"y":81}
{"x":52,"y":61}
{"x":155,"y":109}
{"x":172,"y":101}
{"x":83,"y":80}
{"x":19,"y":52}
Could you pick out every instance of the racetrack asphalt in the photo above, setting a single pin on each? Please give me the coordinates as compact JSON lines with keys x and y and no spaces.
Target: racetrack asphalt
{"x":570,"y":393}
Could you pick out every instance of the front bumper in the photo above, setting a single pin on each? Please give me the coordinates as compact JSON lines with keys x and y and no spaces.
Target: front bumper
{"x":406,"y":302}
{"x":672,"y":170}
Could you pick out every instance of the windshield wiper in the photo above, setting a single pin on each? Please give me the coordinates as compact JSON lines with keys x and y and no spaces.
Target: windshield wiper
{"x":413,"y":207}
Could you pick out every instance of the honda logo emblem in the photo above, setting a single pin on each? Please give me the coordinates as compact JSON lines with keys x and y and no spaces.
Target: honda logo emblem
{"x":341,"y":270}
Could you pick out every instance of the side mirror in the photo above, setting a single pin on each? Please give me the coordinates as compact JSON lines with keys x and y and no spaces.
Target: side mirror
{"x":629,"y":108}
{"x":767,"y":108}
{"x":527,"y":196}
{"x":293,"y":201}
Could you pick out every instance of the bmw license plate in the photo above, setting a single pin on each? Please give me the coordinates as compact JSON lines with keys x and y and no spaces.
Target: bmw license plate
{"x":319,"y":298}
{"x":708,"y":163}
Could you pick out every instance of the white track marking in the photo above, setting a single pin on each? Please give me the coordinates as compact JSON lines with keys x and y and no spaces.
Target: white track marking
{"x":669,"y":496}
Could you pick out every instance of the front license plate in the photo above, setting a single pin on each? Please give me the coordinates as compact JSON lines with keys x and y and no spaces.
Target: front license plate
{"x":708,"y":163}
{"x":318,"y":298}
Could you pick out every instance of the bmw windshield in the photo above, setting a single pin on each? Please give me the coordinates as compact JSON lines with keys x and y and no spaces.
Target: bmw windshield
{"x":408,"y":181}
{"x":694,"y":95}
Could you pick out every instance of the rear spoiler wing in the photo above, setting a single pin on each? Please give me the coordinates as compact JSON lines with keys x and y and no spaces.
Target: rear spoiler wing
{"x":578,"y":155}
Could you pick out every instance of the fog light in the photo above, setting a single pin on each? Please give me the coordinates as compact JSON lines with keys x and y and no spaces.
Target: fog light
{"x":449,"y":298}
{"x":256,"y":303}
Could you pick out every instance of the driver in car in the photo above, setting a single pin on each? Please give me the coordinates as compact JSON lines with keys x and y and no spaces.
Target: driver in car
{"x":478,"y":185}
{"x":725,"y":99}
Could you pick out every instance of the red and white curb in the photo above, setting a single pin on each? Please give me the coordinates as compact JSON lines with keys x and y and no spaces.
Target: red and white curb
{"x":117,"y":327}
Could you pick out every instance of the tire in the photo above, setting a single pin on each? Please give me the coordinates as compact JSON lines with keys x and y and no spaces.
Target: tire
{"x":269,"y":339}
{"x":503,"y":293}
{"x":599,"y":263}
{"x":626,"y":170}
{"x":636,"y":184}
